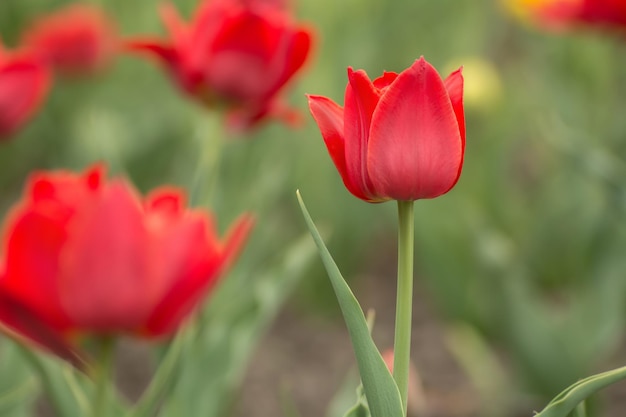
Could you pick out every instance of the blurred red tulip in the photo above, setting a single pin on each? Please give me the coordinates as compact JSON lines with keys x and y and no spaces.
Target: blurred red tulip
{"x":234,"y":54}
{"x":24,"y":82}
{"x":401,"y":137}
{"x":83,"y":256}
{"x":567,"y":13}
{"x":79,"y":39}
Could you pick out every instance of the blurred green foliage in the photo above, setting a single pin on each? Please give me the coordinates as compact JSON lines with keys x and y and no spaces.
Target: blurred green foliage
{"x":527,"y":249}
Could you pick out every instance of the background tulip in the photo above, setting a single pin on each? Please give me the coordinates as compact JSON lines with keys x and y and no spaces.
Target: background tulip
{"x":24,"y":82}
{"x":565,"y":13}
{"x":234,"y":54}
{"x":400,"y":137}
{"x":86,"y":256}
{"x":75,"y":40}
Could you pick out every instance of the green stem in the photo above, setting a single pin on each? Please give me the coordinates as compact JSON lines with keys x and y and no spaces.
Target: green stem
{"x":404,"y":301}
{"x":210,"y":142}
{"x":103,"y":377}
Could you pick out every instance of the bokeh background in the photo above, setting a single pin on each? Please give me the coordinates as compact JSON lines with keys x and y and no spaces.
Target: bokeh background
{"x":521,"y":271}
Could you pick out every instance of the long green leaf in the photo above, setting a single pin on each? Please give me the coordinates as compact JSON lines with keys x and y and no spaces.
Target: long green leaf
{"x":215,"y":363}
{"x":69,"y":390}
{"x":166,"y":376}
{"x":18,"y":386}
{"x":566,"y":401}
{"x":53,"y":382}
{"x":360,"y":409}
{"x":380,"y":388}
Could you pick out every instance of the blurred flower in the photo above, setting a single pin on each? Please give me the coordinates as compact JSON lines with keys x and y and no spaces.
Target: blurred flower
{"x":234,"y":54}
{"x":24,"y":82}
{"x":401,"y":137}
{"x":482,"y":83}
{"x":86,"y":256}
{"x":78,"y":39}
{"x":565,"y":13}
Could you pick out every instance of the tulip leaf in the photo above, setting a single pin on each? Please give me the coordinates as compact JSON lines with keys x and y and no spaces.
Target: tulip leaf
{"x":165,"y":377}
{"x":18,"y":386}
{"x":360,"y":409}
{"x":343,"y":398}
{"x":228,"y":332}
{"x":69,"y":390}
{"x":63,"y":398}
{"x":380,"y":389}
{"x":567,"y":401}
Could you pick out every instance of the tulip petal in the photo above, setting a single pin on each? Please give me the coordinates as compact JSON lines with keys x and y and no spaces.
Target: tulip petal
{"x":296,"y":50}
{"x":239,"y":120}
{"x":106,"y":282}
{"x":329,"y":118}
{"x":174,"y":24}
{"x":188,"y":262}
{"x":21,"y":323}
{"x":37,"y":235}
{"x":253,"y":56}
{"x":32,"y":249}
{"x":78,"y":38}
{"x":163,"y":51}
{"x":250,"y":33}
{"x":604,"y":12}
{"x":361,"y":99}
{"x":235,"y":240}
{"x":193,"y":263}
{"x":168,"y":202}
{"x":454,"y":87}
{"x":23,"y":86}
{"x":385,"y":80}
{"x":415,"y":146}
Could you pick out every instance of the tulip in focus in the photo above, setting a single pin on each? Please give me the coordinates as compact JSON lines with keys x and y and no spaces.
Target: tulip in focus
{"x":84,"y":256}
{"x":24,"y":82}
{"x":236,"y":55}
{"x":400,"y":137}
{"x":566,"y":13}
{"x":79,"y":39}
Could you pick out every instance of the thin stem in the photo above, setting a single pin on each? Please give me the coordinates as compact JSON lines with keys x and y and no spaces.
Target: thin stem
{"x":210,"y":142}
{"x":404,"y":300}
{"x":103,"y":378}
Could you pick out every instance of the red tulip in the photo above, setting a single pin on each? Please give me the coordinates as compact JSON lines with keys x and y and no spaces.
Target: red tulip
{"x":84,"y":256}
{"x":78,"y":39}
{"x":24,"y":82}
{"x":566,"y":13}
{"x":401,"y":137}
{"x":234,"y":54}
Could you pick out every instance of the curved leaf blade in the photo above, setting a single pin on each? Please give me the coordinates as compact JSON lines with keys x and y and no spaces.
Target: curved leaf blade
{"x":564,"y":403}
{"x":380,"y":388}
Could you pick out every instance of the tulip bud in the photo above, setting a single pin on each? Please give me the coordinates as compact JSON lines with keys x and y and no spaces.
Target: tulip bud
{"x":24,"y":82}
{"x":89,"y":257}
{"x":235,"y":55}
{"x":399,"y":137}
{"x":78,"y":39}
